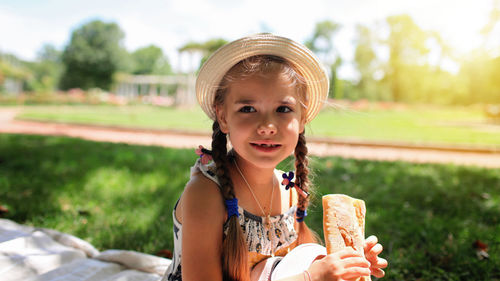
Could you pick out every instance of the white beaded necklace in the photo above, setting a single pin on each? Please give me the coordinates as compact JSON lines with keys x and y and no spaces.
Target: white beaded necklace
{"x":267,"y":218}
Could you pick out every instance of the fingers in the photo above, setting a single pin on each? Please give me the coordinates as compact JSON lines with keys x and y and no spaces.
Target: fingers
{"x":372,"y":257}
{"x":354,"y":272}
{"x":352,"y":258}
{"x":346,"y":253}
{"x":356,"y":262}
{"x":380,"y":263}
{"x":349,"y":264}
{"x":374,"y":252}
{"x":377,"y":272}
{"x":355,"y":267}
{"x":371,"y":241}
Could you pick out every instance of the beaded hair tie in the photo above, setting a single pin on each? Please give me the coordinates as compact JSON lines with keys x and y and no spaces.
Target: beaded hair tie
{"x":288,"y":183}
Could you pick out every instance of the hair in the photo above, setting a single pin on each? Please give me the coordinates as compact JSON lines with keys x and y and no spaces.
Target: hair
{"x":234,"y":248}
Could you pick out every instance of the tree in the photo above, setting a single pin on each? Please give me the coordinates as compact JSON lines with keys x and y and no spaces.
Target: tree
{"x":481,"y":73}
{"x":488,"y":30}
{"x":484,"y":68}
{"x":365,"y":60}
{"x":94,"y":53}
{"x":46,"y":70}
{"x":12,"y":69}
{"x":206,"y":48}
{"x":407,"y":49}
{"x":150,"y":60}
{"x":321,"y":43}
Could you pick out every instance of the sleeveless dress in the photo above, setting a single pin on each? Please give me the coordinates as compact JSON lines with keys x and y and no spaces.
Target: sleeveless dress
{"x":261,"y":242}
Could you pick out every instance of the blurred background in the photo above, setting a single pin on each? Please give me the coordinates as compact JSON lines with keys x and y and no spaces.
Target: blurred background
{"x":433,"y":52}
{"x":403,"y":73}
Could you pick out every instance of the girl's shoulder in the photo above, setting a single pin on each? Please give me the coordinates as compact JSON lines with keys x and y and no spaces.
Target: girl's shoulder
{"x":203,"y":186}
{"x":201,"y":199}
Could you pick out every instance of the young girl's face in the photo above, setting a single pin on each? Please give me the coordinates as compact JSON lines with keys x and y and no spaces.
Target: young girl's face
{"x":263,"y":117}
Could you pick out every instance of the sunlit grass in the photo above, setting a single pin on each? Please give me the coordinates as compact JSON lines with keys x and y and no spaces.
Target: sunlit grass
{"x":411,"y":125}
{"x":148,"y":117}
{"x":414,"y":125}
{"x":121,"y":196}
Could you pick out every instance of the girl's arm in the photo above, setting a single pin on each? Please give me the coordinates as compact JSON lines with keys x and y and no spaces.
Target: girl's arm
{"x":203,"y":214}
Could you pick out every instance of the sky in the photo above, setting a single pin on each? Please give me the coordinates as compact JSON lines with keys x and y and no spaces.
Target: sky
{"x":26,"y":25}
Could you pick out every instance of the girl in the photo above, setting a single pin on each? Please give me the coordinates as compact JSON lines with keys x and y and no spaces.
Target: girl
{"x":236,"y":219}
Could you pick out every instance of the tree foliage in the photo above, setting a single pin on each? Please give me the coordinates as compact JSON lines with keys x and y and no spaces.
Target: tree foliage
{"x":206,"y":48}
{"x":321,"y":43}
{"x":365,"y":60}
{"x":150,"y":60}
{"x":46,"y":70}
{"x":12,"y":67}
{"x":94,"y":53}
{"x":407,"y":47}
{"x":321,"y":39}
{"x":413,"y":72}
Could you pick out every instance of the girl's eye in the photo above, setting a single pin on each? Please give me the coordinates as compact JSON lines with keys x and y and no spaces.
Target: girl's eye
{"x":284,"y":109}
{"x":247,"y":109}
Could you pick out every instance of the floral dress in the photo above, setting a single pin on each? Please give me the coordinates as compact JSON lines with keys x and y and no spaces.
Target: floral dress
{"x":262,"y":242}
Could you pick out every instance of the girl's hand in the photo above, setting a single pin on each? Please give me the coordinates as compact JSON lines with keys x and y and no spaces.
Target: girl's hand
{"x":345,"y":264}
{"x":372,"y":250}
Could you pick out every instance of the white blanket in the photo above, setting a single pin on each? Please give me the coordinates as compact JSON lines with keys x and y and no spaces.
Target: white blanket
{"x":38,"y":254}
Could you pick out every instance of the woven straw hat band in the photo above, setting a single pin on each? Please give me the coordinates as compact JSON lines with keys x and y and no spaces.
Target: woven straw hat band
{"x":301,"y":58}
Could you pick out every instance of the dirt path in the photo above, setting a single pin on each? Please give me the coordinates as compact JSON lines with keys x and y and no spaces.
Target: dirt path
{"x":319,"y":147}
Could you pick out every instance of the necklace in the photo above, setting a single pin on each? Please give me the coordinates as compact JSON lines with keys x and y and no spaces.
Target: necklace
{"x":267,"y":218}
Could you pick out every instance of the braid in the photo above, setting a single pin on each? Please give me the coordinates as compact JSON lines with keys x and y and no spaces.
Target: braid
{"x":305,"y":235}
{"x":234,"y":249}
{"x":302,"y":170}
{"x":219,"y":155}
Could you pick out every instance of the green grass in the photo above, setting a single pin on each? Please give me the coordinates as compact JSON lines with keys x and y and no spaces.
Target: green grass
{"x":416,"y":125}
{"x":139,"y":116}
{"x":121,"y":196}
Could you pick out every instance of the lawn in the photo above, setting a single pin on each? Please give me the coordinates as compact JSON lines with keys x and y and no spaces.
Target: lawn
{"x":121,"y":196}
{"x":409,"y":124}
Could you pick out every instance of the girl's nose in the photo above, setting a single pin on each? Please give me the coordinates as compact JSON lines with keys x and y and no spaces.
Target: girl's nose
{"x":266,"y":128}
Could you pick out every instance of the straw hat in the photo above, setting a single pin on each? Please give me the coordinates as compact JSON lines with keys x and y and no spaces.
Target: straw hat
{"x":302,"y":59}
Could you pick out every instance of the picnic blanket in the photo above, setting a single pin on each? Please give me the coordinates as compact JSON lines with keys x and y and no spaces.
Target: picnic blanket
{"x":39,"y":254}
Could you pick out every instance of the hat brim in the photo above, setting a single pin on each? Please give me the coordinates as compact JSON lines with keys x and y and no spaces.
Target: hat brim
{"x":302,"y":59}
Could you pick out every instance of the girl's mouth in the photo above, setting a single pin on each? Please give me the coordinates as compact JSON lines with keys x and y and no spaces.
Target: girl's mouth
{"x":266,"y":147}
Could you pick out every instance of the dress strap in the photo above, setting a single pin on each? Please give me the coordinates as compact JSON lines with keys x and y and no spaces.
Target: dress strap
{"x":208,"y":170}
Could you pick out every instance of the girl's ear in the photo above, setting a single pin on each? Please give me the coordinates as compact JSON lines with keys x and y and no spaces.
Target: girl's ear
{"x":221,"y":119}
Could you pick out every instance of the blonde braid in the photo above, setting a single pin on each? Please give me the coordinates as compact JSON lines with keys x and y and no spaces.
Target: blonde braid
{"x":305,"y":235}
{"x":234,"y":248}
{"x":302,"y":169}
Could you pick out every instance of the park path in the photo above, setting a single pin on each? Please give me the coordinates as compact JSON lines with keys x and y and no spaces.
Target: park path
{"x":318,"y":147}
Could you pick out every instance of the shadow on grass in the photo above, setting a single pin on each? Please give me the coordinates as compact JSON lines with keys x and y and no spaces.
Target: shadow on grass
{"x":121,"y":196}
{"x":113,"y":195}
